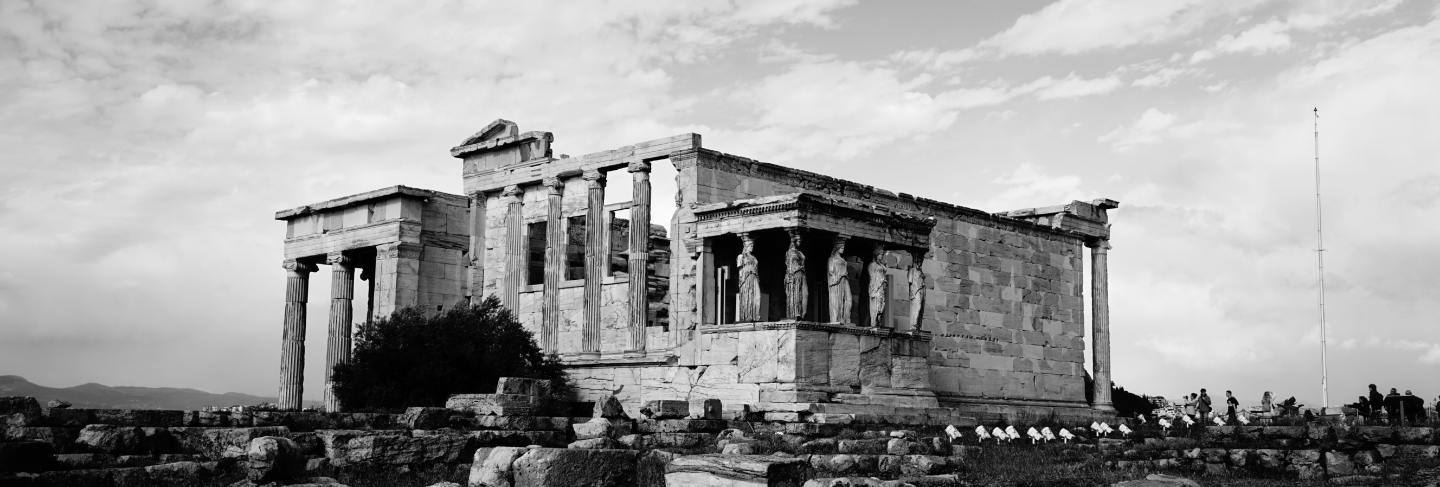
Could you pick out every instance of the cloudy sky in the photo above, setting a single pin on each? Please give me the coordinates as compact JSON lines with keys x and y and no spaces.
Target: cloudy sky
{"x":148,"y":143}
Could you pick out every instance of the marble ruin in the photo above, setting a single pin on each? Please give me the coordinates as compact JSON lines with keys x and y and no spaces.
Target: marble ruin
{"x":782,"y":292}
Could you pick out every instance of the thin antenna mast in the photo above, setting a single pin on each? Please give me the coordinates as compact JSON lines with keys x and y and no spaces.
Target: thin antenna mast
{"x":1320,"y":264}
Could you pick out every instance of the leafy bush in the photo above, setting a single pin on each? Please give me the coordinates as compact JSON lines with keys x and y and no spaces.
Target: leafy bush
{"x":411,"y":359}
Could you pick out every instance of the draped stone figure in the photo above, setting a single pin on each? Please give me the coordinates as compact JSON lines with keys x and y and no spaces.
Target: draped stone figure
{"x":917,"y":288}
{"x":838,"y":280}
{"x":796,"y":290}
{"x":749,"y":279}
{"x":879,"y":283}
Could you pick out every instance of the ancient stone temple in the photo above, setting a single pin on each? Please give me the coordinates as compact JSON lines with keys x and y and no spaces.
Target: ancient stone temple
{"x":779,"y":291}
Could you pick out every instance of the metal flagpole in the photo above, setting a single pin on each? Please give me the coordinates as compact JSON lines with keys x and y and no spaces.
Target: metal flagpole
{"x":1320,"y":263}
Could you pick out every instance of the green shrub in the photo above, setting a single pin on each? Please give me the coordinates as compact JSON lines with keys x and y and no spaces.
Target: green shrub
{"x":411,"y":359}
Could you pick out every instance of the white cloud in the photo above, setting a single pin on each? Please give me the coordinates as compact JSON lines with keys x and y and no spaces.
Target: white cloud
{"x":1161,"y":77}
{"x":1076,"y":26}
{"x":1267,"y":37}
{"x":1148,"y":129}
{"x":1071,"y":86}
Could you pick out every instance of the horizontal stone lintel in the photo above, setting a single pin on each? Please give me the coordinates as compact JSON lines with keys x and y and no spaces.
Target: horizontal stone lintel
{"x":353,"y":238}
{"x":651,"y":358}
{"x":949,"y":398}
{"x":816,"y":326}
{"x":534,"y":170}
{"x":355,"y":199}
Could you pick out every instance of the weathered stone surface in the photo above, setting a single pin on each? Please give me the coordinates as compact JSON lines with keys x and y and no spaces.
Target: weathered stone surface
{"x":491,"y":467}
{"x":404,"y":450}
{"x":736,"y":470}
{"x":26,"y":456}
{"x":274,"y":459}
{"x":1338,"y":463}
{"x":337,"y":442}
{"x":109,"y":438}
{"x":223,"y":443}
{"x":555,"y":467}
{"x":606,"y":443}
{"x":609,"y":407}
{"x":680,"y":426}
{"x":425,"y":418}
{"x":601,"y":428}
{"x":493,"y":404}
{"x":711,"y":409}
{"x":63,"y":439}
{"x":650,"y":468}
{"x":667,"y":409}
{"x":19,"y":411}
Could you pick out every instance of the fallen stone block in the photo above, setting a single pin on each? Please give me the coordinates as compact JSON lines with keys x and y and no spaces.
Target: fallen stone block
{"x":555,"y":467}
{"x":20,"y":411}
{"x":492,"y":467}
{"x":405,"y":450}
{"x":274,"y":459}
{"x":595,"y":444}
{"x":109,"y":438}
{"x":1158,"y":480}
{"x":609,"y":407}
{"x":601,"y":428}
{"x":425,"y":418}
{"x":522,"y":386}
{"x":681,"y":426}
{"x":666,"y":409}
{"x":707,"y":409}
{"x":736,"y":470}
{"x":63,"y":439}
{"x":218,"y":444}
{"x":493,"y":404}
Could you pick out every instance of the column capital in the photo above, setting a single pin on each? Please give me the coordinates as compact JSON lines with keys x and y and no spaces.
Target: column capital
{"x":638,"y":166}
{"x":1099,"y":245}
{"x":298,"y":267}
{"x":513,"y":191}
{"x":339,"y":258}
{"x":554,"y":184}
{"x":594,"y":177}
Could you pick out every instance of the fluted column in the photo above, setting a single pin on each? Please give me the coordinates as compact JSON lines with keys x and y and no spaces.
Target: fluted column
{"x":554,"y":267}
{"x":595,"y":255}
{"x":514,"y":248}
{"x":476,"y":285}
{"x":292,"y":343}
{"x":1100,"y":322}
{"x":639,"y":255}
{"x":342,"y":294}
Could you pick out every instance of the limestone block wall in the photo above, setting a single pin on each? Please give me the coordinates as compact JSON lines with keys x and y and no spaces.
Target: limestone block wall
{"x":1004,"y":297}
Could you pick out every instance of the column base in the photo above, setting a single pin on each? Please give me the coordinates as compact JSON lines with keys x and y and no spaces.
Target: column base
{"x":1107,"y":407}
{"x":633,"y":353}
{"x":588,"y":355}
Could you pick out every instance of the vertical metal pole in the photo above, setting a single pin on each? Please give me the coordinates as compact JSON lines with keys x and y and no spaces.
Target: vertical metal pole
{"x":1320,"y":263}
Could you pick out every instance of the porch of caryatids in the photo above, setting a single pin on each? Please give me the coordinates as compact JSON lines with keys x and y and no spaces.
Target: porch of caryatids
{"x":797,"y":290}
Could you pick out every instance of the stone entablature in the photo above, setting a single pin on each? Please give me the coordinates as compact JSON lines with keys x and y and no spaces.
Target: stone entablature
{"x":814,"y":212}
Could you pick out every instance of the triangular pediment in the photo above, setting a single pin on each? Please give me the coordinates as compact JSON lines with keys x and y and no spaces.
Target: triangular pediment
{"x":495,"y":130}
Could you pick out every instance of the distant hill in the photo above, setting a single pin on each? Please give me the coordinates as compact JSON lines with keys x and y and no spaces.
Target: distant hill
{"x":99,"y":396}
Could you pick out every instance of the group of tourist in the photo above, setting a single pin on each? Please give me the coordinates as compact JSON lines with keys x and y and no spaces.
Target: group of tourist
{"x":1393,"y":408}
{"x":1200,"y":406}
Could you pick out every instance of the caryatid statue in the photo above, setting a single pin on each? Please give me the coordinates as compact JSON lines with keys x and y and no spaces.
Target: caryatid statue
{"x":879,"y":281}
{"x":749,"y":279}
{"x":837,"y":278}
{"x":796,"y":290}
{"x":917,"y":288}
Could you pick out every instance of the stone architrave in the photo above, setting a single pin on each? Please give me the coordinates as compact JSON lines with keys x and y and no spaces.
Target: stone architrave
{"x":837,"y":278}
{"x":514,"y":247}
{"x":639,"y":255}
{"x":594,"y":261}
{"x":342,"y":294}
{"x":796,"y":289}
{"x":1100,"y":322}
{"x":916,"y":275}
{"x":879,"y":284}
{"x":554,"y":267}
{"x":292,"y":344}
{"x":748,"y":276}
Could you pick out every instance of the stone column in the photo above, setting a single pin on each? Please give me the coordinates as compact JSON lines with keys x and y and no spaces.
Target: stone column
{"x":639,"y":255}
{"x":476,"y":285}
{"x":595,"y":255}
{"x":514,"y":248}
{"x":554,"y":267}
{"x":292,"y":343}
{"x":337,"y":350}
{"x":1100,"y":322}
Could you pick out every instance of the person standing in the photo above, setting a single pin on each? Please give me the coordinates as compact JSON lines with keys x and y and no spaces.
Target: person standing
{"x":1392,"y":407}
{"x":1190,"y":401}
{"x":1377,"y":403}
{"x":1267,"y":404}
{"x":1231,"y":406}
{"x":1411,"y":407}
{"x":1204,"y":405}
